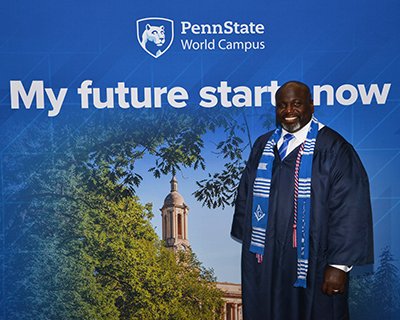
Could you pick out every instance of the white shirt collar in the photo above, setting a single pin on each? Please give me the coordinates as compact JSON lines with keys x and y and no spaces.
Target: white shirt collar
{"x":299,"y":137}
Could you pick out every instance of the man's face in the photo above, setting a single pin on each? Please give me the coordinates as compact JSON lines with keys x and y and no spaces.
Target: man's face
{"x":294,"y":108}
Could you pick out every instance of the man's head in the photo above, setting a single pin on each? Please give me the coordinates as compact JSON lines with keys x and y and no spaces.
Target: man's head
{"x":294,"y":106}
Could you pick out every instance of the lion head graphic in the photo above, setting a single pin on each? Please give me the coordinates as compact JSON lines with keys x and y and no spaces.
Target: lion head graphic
{"x":152,"y":35}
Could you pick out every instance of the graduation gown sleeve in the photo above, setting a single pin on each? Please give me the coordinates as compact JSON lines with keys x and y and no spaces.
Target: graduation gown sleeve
{"x":350,"y":239}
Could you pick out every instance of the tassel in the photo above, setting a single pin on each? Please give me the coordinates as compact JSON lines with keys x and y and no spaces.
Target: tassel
{"x":294,"y":236}
{"x":259,"y":257}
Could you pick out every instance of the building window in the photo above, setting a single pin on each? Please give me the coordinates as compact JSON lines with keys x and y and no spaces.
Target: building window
{"x":180,"y":226}
{"x":165,"y":228}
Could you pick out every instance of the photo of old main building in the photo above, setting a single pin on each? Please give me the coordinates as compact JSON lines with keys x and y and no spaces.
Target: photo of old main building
{"x":174,"y":213}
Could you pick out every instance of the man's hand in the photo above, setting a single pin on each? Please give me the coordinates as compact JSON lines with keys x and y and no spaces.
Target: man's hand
{"x":334,"y":281}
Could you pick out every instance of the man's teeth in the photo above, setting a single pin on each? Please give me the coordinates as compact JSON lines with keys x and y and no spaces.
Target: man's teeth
{"x":290,"y":118}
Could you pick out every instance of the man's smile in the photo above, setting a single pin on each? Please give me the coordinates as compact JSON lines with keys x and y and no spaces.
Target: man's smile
{"x":291,"y":118}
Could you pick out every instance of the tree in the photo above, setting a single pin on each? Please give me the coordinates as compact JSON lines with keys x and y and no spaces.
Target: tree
{"x":386,"y":289}
{"x":361,"y":296}
{"x":219,"y":189}
{"x":72,"y":188}
{"x":376,"y":295}
{"x":98,"y":257}
{"x":152,"y":283}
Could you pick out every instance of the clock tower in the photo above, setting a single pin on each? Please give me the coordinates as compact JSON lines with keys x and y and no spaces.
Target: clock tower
{"x":174,"y":215}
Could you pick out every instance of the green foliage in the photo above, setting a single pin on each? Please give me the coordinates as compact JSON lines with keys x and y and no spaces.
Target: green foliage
{"x":80,"y":245}
{"x":97,"y":255}
{"x":150,"y":282}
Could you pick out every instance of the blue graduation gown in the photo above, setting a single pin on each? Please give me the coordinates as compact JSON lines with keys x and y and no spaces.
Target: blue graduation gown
{"x":340,"y":232}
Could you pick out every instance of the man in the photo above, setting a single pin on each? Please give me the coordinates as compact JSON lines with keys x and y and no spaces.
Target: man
{"x":303,"y":216}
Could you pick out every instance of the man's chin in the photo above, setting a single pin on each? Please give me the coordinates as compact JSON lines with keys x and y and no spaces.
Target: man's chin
{"x":291,"y":128}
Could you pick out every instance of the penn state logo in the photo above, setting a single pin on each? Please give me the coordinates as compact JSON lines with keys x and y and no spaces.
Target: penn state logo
{"x":155,"y":35}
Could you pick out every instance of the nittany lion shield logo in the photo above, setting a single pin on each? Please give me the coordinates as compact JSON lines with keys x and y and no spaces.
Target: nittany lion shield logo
{"x":155,"y":35}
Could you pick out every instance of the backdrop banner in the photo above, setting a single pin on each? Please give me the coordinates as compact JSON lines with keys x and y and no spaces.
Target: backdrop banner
{"x":103,"y":103}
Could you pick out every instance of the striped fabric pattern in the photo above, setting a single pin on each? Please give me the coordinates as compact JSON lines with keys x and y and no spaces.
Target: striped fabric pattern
{"x":302,"y":182}
{"x":261,"y":187}
{"x":283,"y":148}
{"x":258,"y":237}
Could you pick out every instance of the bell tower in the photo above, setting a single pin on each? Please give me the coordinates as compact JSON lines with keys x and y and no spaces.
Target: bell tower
{"x":174,"y":215}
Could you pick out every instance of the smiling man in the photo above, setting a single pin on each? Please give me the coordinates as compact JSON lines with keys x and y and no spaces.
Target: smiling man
{"x":303,"y":216}
{"x":294,"y":106}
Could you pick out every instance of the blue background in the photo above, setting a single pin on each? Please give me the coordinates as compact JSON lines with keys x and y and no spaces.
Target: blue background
{"x":64,"y":43}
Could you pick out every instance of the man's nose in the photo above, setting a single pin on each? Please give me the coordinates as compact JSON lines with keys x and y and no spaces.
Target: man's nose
{"x":289,"y":108}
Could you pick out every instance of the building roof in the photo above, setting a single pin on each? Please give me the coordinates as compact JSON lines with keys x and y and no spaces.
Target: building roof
{"x":174,"y":198}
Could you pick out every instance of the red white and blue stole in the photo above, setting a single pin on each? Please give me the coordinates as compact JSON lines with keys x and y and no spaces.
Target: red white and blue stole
{"x":302,"y":181}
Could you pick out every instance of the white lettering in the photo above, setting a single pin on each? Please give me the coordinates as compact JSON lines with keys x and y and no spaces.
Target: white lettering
{"x":366,"y":97}
{"x":195,"y":29}
{"x":135,"y":99}
{"x":247,"y":46}
{"x":121,"y":91}
{"x":317,"y":94}
{"x":273,"y":89}
{"x":374,"y":90}
{"x":258,"y":91}
{"x":251,"y":25}
{"x":260,"y":28}
{"x":84,"y":91}
{"x":36,"y":90}
{"x":206,"y":93}
{"x":177,"y":97}
{"x":185,"y":26}
{"x":56,"y":102}
{"x":206,"y":28}
{"x":353,"y":94}
{"x":109,"y":103}
{"x":223,"y":89}
{"x":223,"y":44}
{"x":203,"y":45}
{"x":186,"y":44}
{"x":157,"y":96}
{"x":217,"y":29}
{"x":228,"y":27}
{"x":17,"y":90}
{"x":177,"y":93}
{"x":241,"y":100}
{"x":244,"y":29}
